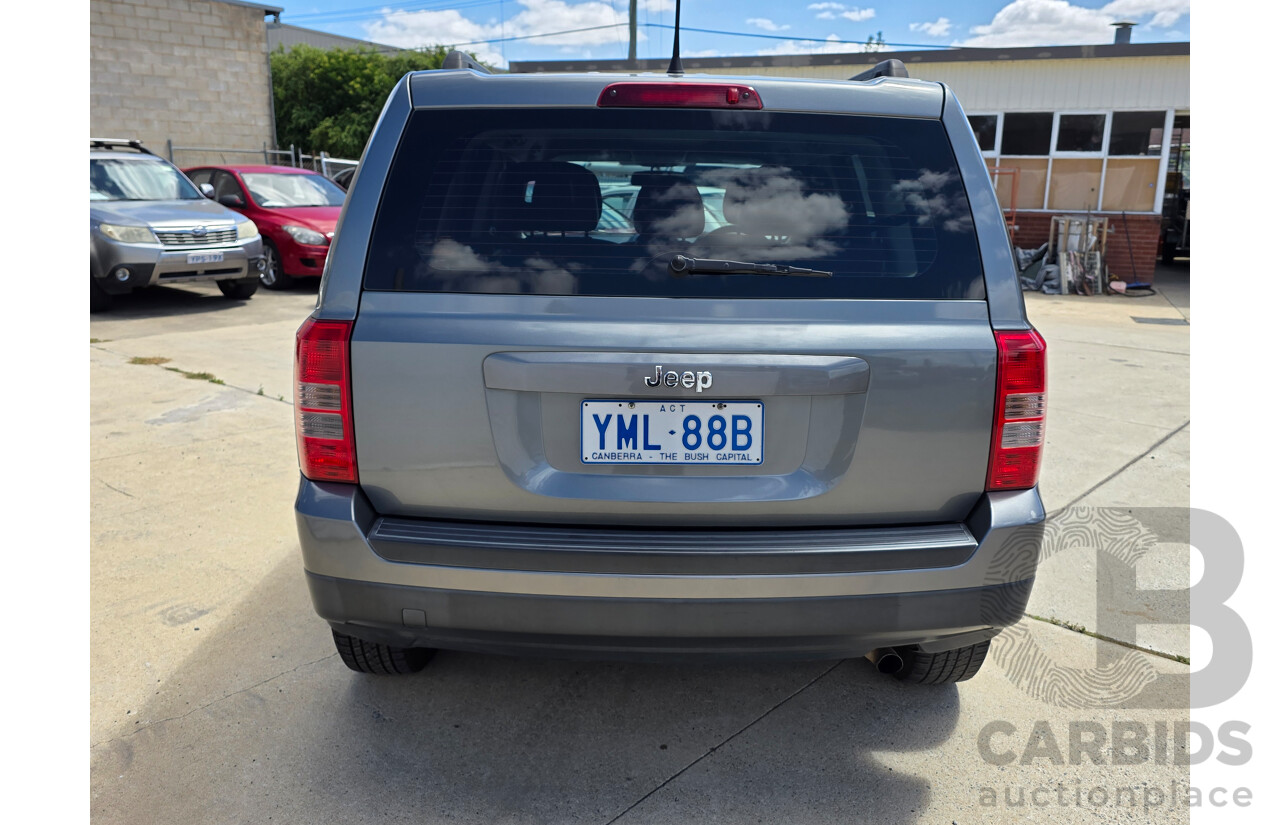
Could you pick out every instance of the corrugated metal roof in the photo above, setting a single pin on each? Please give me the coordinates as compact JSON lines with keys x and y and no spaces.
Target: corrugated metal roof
{"x":1045,"y":85}
{"x":1059,"y":78}
{"x":961,"y":55}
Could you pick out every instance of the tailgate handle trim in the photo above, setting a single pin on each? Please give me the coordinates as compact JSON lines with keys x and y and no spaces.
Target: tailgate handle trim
{"x":623,"y":373}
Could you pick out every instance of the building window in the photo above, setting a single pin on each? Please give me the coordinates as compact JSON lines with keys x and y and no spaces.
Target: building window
{"x":1032,"y":175}
{"x":984,"y":129}
{"x":1136,"y":133}
{"x":1080,"y":133}
{"x":1075,"y":161}
{"x":1027,"y":133}
{"x":1074,"y":184}
{"x":1131,"y":184}
{"x":1133,"y":162}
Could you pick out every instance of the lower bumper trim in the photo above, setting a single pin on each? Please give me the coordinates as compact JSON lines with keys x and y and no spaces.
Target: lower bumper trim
{"x":633,"y":551}
{"x":814,"y":628}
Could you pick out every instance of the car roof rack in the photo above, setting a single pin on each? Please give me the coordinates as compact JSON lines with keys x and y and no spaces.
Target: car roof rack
{"x":893,"y":67}
{"x":118,"y":143}
{"x":461,"y":60}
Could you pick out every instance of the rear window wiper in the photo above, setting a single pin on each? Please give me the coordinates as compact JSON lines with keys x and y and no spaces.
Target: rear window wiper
{"x":681,"y":265}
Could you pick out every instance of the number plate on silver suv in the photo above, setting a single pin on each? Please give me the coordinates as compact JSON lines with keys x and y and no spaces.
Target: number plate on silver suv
{"x":672,"y":432}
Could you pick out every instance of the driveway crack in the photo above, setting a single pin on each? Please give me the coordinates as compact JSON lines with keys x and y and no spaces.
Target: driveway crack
{"x":211,"y":704}
{"x":117,"y":489}
{"x":1123,"y":467}
{"x":726,"y":741}
{"x":1109,"y":345}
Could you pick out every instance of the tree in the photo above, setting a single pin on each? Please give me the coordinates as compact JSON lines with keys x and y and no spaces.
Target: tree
{"x":875,"y":43}
{"x":329,"y":99}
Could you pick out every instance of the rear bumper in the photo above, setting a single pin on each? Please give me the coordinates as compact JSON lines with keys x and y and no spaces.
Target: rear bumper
{"x":796,"y":593}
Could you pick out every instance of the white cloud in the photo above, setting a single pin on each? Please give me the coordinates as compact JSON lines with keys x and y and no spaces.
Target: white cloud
{"x":857,"y":15}
{"x":766,"y":24}
{"x":938,"y":28}
{"x":433,"y":28}
{"x":1057,"y":22}
{"x":1164,"y":12}
{"x":828,"y":11}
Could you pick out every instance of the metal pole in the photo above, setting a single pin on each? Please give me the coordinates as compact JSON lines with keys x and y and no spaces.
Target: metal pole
{"x":631,"y":27}
{"x":169,"y":146}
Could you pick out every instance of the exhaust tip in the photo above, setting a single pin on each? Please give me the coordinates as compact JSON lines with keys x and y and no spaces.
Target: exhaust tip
{"x":887,"y":660}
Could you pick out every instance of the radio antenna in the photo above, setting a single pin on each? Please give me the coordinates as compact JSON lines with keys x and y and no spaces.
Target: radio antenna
{"x":676,"y":66}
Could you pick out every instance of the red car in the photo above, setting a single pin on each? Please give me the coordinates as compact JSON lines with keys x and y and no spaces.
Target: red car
{"x":295,"y":209}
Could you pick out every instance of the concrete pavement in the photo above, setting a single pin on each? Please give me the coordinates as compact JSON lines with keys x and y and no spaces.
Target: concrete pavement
{"x":217,"y":696}
{"x":1119,"y":437}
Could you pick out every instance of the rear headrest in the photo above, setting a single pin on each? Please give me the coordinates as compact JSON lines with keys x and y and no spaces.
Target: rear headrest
{"x":668,"y":205}
{"x":547,"y":196}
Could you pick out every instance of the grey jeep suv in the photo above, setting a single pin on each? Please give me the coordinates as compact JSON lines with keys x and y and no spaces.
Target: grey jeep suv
{"x":149,"y":225}
{"x":814,"y":431}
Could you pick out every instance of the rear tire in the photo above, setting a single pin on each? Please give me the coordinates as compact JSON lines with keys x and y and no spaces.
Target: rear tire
{"x":383,"y":660}
{"x":239,"y":290}
{"x":99,"y":298}
{"x":943,"y":667}
{"x":273,"y":276}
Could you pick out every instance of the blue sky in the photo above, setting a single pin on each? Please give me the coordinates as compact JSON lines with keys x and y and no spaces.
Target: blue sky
{"x":932,"y":23}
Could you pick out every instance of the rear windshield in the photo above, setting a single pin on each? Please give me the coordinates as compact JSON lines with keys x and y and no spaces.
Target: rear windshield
{"x":596,"y":202}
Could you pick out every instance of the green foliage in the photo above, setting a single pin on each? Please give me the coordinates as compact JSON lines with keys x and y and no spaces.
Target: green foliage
{"x":329,"y":99}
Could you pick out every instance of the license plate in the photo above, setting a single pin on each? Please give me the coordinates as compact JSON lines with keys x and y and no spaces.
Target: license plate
{"x":672,"y":432}
{"x":204,"y":258}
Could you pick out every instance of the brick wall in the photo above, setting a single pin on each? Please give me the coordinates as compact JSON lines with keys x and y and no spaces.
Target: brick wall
{"x":194,"y":71}
{"x":1144,"y":232}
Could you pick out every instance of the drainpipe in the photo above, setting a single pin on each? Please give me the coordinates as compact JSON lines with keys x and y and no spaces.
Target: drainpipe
{"x":271,"y":88}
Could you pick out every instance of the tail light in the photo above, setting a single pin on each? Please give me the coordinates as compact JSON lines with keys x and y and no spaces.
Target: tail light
{"x":680,"y":95}
{"x":1018,"y":438}
{"x":322,"y":401}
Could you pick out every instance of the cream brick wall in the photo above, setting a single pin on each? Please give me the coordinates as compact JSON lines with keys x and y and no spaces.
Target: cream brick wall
{"x":194,"y":71}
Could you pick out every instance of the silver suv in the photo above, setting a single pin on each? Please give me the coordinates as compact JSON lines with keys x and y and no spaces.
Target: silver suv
{"x":812,"y":432}
{"x":149,"y":225}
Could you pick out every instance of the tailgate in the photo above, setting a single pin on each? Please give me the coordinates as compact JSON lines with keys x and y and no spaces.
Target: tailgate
{"x":473,"y":407}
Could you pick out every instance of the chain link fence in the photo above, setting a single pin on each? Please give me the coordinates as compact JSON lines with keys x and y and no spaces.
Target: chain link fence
{"x":293,"y":156}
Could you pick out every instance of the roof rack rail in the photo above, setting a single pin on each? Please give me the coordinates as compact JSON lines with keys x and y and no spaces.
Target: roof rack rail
{"x":461,"y":60}
{"x":893,"y":67}
{"x":118,"y":143}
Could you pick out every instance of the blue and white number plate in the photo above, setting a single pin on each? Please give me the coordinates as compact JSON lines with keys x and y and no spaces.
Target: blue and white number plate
{"x":672,"y":432}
